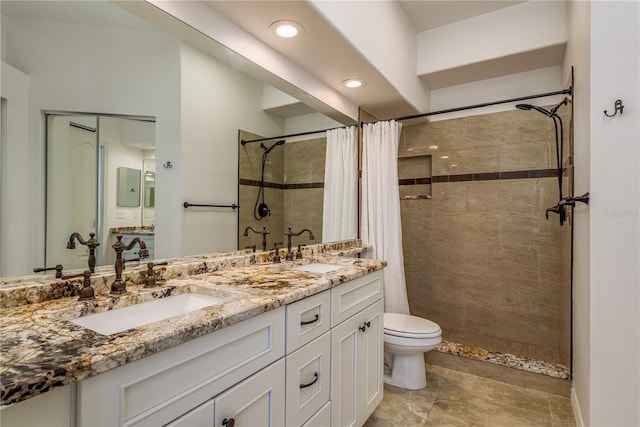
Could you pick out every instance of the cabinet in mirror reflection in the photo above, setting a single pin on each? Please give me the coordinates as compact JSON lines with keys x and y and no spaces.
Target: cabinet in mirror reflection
{"x":93,"y":163}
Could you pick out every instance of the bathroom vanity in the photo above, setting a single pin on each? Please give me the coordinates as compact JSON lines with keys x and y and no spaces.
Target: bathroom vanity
{"x":288,"y":344}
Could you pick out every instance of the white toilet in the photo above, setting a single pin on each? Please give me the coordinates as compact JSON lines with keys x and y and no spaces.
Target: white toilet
{"x":406,"y":338}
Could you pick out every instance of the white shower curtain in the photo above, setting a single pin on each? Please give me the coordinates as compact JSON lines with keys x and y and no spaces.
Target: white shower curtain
{"x":381,"y":226}
{"x":340,"y":207}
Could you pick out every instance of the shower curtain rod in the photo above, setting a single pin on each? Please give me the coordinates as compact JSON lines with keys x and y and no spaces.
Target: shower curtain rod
{"x":469,"y":107}
{"x":416,"y":116}
{"x":243,"y":141}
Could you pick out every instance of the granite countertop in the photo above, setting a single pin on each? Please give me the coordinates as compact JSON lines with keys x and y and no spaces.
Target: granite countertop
{"x":133,"y":229}
{"x":41,"y":349}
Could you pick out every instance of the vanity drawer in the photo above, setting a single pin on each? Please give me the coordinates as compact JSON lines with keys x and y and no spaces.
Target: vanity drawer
{"x":307,"y":319}
{"x":308,"y":380}
{"x":351,"y":297}
{"x":322,"y":418}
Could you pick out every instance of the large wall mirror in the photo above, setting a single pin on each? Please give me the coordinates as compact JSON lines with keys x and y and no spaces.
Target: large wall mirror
{"x":98,"y":57}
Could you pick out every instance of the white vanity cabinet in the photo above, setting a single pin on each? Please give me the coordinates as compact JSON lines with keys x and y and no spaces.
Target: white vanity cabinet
{"x":165,"y":386}
{"x":357,"y":346}
{"x":52,"y":409}
{"x":350,"y":348}
{"x":308,"y":380}
{"x":256,"y":401}
{"x":313,"y":363}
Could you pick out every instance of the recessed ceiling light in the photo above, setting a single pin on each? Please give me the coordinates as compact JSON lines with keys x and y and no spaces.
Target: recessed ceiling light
{"x":287,"y":29}
{"x":353,"y":83}
{"x":433,"y":147}
{"x":444,"y":157}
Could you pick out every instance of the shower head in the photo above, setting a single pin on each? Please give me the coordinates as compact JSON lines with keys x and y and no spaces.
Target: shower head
{"x":527,"y":107}
{"x":268,"y":150}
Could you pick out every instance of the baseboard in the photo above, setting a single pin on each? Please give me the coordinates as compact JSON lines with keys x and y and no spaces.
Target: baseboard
{"x":577,"y":413}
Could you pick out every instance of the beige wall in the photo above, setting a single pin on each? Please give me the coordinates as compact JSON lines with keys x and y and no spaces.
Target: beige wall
{"x":480,"y":258}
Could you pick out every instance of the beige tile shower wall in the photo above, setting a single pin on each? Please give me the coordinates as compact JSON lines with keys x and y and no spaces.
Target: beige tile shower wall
{"x":303,"y":209}
{"x":249,"y":167}
{"x":304,"y":161}
{"x":274,"y":222}
{"x":304,"y":164}
{"x":480,"y":258}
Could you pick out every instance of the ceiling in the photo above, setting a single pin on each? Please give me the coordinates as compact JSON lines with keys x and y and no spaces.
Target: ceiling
{"x":323,"y":51}
{"x":327,"y":55}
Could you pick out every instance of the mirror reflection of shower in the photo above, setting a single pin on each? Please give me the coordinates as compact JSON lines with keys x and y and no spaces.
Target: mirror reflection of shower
{"x":261,"y":209}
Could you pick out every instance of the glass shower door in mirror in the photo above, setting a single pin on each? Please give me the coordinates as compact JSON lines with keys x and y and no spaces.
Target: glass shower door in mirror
{"x":72,"y":187}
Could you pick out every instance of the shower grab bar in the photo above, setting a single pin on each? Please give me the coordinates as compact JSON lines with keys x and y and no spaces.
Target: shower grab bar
{"x":188,"y":205}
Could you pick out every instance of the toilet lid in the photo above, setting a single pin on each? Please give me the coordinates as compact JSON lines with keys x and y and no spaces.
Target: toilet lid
{"x":404,"y":325}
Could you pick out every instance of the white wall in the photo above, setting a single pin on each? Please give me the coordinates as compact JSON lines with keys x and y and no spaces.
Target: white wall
{"x":14,"y":176}
{"x":97,"y":69}
{"x":607,"y":235}
{"x":217,"y":100}
{"x":392,"y":51}
{"x":546,"y":79}
{"x":578,"y":55}
{"x":615,"y":223}
{"x":524,"y":27}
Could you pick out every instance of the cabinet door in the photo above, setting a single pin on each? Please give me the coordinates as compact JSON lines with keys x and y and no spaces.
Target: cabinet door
{"x":51,"y":409}
{"x":356,"y":366}
{"x":322,"y":418}
{"x":257,"y":401}
{"x":202,"y":416}
{"x":370,"y":368}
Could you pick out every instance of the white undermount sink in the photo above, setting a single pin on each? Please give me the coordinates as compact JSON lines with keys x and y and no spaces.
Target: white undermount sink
{"x":121,"y":319}
{"x":318,"y":267}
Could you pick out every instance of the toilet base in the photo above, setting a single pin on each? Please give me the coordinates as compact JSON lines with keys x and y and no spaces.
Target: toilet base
{"x":408,"y":372}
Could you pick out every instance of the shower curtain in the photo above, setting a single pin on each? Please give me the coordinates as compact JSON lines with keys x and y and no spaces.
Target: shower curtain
{"x":381,"y":226}
{"x":340,"y":207}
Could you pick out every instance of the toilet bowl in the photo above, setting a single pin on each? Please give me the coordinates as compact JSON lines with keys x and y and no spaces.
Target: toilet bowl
{"x":406,"y":339}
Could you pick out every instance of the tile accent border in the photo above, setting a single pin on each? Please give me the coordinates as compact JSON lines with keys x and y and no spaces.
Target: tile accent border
{"x":252,"y":183}
{"x":554,"y":370}
{"x":485,"y":176}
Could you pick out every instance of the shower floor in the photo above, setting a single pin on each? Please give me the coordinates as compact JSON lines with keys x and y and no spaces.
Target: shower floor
{"x":551,"y":369}
{"x":547,"y":353}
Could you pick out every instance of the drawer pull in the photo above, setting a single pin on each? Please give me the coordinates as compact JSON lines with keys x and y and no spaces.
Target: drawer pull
{"x":310,"y":321}
{"x":311,"y":383}
{"x":228,"y":422}
{"x":365,"y":326}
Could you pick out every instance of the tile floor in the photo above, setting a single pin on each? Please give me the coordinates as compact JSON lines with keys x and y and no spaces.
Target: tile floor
{"x":454,"y":398}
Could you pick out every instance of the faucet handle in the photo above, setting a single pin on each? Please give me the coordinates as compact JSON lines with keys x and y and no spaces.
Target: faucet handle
{"x":58,"y":268}
{"x":150,"y":280}
{"x":276,"y":258}
{"x":86,"y":293}
{"x":299,"y":253}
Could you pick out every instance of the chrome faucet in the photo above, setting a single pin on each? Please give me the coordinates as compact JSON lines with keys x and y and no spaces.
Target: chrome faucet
{"x":290,"y":233}
{"x":264,"y":233}
{"x":92,"y":244}
{"x":118,"y":286}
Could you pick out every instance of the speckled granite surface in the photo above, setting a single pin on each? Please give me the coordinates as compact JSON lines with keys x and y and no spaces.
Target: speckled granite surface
{"x":505,"y":359}
{"x":139,"y":229}
{"x":42,"y":349}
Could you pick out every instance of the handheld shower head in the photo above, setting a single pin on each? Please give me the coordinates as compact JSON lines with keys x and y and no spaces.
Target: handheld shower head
{"x":268,"y":150}
{"x":527,"y":107}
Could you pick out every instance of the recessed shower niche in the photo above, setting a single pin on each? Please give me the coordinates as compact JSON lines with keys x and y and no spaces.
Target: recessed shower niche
{"x":415,"y":177}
